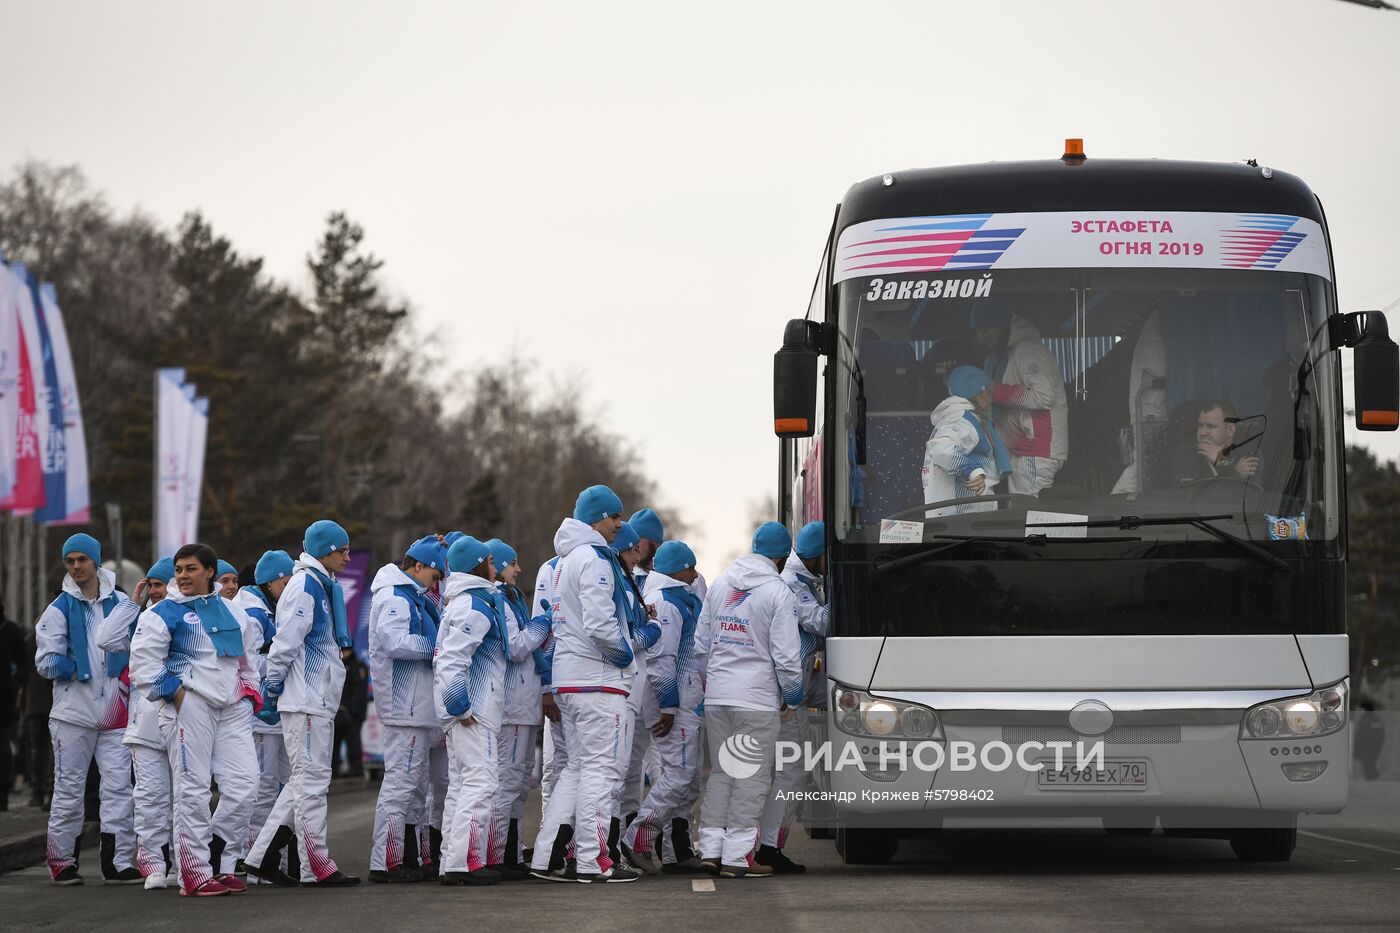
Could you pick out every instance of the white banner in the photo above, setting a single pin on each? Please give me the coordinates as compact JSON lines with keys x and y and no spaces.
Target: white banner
{"x":173,"y":416}
{"x":32,"y":432}
{"x":73,"y":510}
{"x":9,"y":379}
{"x":194,"y":479}
{"x":1082,"y":239}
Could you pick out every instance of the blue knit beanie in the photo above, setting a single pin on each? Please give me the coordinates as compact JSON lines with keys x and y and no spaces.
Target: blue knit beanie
{"x":83,"y":544}
{"x":162,"y":570}
{"x":772,"y":540}
{"x":627,"y":537}
{"x":225,"y":567}
{"x":968,"y":381}
{"x":811,"y":540}
{"x":428,"y":550}
{"x":323,"y":537}
{"x":503,"y":554}
{"x":273,"y":565}
{"x":647,"y":524}
{"x":673,"y":557}
{"x":466,"y":554}
{"x":595,"y":504}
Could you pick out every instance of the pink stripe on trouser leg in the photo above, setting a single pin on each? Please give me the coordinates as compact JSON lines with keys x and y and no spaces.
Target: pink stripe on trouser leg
{"x":595,"y":737}
{"x":308,"y":741}
{"x":471,"y":786}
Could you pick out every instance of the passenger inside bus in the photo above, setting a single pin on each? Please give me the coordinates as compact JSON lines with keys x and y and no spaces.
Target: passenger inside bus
{"x":1213,"y":451}
{"x":1032,"y":411}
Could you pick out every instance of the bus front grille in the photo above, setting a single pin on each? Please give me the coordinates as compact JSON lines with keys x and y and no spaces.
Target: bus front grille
{"x":1118,"y":735}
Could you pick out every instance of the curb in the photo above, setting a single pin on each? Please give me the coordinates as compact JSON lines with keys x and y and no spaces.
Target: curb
{"x":25,"y":850}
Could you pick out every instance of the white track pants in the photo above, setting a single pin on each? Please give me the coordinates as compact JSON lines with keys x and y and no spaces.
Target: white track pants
{"x":73,"y":751}
{"x":430,"y":797}
{"x":583,"y":794}
{"x":624,"y":759}
{"x":152,"y":805}
{"x":778,"y":814}
{"x":675,"y":785}
{"x":274,"y":772}
{"x":302,"y":803}
{"x":634,"y":781}
{"x":554,"y":755}
{"x":730,"y":812}
{"x":208,"y":742}
{"x":515,"y":762}
{"x":406,"y":751}
{"x":1029,"y":475}
{"x":471,"y":788}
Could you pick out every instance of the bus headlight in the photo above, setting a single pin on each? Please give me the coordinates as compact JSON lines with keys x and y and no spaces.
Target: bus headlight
{"x":1321,"y":712}
{"x":859,"y":713}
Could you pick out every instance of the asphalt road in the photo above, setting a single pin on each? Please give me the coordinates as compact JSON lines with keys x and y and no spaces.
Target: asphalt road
{"x":1345,"y":875}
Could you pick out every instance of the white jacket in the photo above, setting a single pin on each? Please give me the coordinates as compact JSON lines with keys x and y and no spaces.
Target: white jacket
{"x":142,"y":724}
{"x":747,"y":645}
{"x":99,"y":703}
{"x":1032,"y":409}
{"x":171,"y":650}
{"x":592,"y":650}
{"x":522,"y":698}
{"x":249,"y":598}
{"x":950,"y":459}
{"x":400,"y":661}
{"x":304,"y":658}
{"x":813,"y":623}
{"x":641,"y":700}
{"x":671,"y":676}
{"x":469,"y":670}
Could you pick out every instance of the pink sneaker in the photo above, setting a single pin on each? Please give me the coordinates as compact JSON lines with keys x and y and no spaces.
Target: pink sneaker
{"x":210,"y":888}
{"x":234,"y":884}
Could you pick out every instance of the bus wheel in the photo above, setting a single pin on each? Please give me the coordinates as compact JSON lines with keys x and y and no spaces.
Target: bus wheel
{"x":866,"y":846}
{"x":1274,"y":844}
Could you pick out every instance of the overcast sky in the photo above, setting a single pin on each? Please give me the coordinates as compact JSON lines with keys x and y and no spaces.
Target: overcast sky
{"x":638,"y":193}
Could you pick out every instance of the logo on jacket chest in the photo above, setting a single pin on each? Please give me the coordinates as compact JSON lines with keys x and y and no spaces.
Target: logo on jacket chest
{"x":190,"y":618}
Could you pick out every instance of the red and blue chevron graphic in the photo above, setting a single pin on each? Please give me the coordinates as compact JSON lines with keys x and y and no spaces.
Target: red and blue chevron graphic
{"x":958,"y":242}
{"x":735,"y":598}
{"x":1261,"y":241}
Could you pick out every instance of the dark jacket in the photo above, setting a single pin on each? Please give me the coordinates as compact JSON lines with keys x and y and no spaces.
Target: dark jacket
{"x":15,"y":662}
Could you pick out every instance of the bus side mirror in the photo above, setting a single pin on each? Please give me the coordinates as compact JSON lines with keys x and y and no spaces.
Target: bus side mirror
{"x":795,"y":380}
{"x":1375,"y":374}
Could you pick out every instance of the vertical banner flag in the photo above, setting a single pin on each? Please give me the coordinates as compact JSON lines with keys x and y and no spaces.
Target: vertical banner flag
{"x":9,"y":378}
{"x":65,"y":469}
{"x":194,"y":464}
{"x":354,"y":580}
{"x":32,"y":424}
{"x":173,"y":414}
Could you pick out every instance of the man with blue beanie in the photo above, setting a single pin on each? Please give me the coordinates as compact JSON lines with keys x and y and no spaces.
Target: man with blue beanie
{"x":650,"y":532}
{"x":305,"y":675}
{"x":1032,"y":410}
{"x":270,"y":577}
{"x":89,"y":713}
{"x":592,"y":671}
{"x":675,"y":686}
{"x":468,"y":690}
{"x":151,"y":789}
{"x":521,"y":715}
{"x":403,"y":626}
{"x":964,"y":456}
{"x":803,"y":574}
{"x":227,"y":581}
{"x":750,"y":658}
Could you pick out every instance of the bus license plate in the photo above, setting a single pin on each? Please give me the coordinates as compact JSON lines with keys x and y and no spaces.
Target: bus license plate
{"x":1114,"y":775}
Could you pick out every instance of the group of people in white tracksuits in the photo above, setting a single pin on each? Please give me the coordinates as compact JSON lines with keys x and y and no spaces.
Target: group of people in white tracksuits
{"x":613,"y":664}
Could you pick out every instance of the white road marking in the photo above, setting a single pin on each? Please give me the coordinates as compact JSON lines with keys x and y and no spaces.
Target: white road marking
{"x":1348,"y":842}
{"x":702,"y":886}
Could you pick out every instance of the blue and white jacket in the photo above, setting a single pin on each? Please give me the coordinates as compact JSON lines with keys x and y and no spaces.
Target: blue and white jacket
{"x":671,"y":674}
{"x":813,"y":622}
{"x":252,"y":601}
{"x":142,"y":723}
{"x":747,"y":647}
{"x":304,"y":668}
{"x":469,"y":669}
{"x":172,"y":649}
{"x":100,"y":701}
{"x":403,"y":627}
{"x":546,"y":595}
{"x":592,"y":643}
{"x":646,"y":632}
{"x":524,"y":633}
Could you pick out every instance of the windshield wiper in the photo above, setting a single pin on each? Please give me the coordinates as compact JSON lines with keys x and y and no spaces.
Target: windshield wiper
{"x":885,"y":563}
{"x":1203,"y":522}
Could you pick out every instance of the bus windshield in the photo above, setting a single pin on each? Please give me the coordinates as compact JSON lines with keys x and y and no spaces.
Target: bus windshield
{"x":1098,"y":392}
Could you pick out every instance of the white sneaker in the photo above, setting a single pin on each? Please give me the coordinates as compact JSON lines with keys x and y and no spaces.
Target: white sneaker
{"x":155,"y":881}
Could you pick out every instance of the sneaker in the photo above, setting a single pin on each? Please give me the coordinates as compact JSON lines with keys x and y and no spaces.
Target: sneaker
{"x":399,"y":874}
{"x":745,"y":871}
{"x":69,"y":875}
{"x":691,"y":866}
{"x":127,"y":875}
{"x":710,"y":866}
{"x":507,"y":873}
{"x":483,"y":877}
{"x":641,"y":861}
{"x":775,"y":859}
{"x":620,"y":873}
{"x":210,"y":888}
{"x":156,"y":881}
{"x":544,"y":874}
{"x":274,"y":876}
{"x":336,"y":879}
{"x":234,"y":883}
